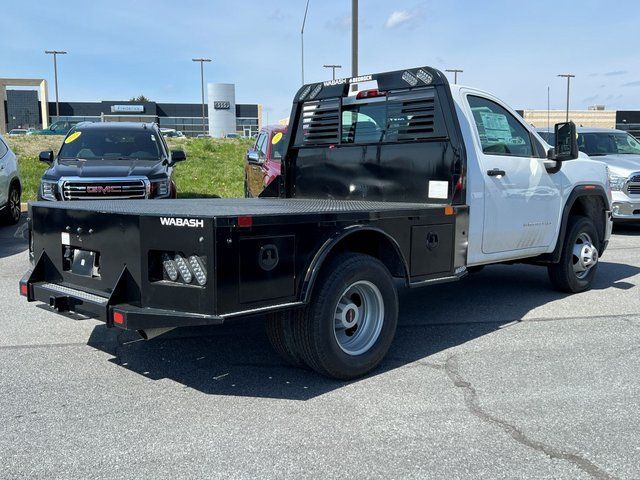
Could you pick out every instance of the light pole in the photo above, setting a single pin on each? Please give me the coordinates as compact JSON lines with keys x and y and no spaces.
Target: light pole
{"x":455,"y":72}
{"x":548,"y":109}
{"x":333,"y":68}
{"x":202,"y":60}
{"x":354,"y":41}
{"x":55,"y":54}
{"x":568,"y":76}
{"x":304,"y":21}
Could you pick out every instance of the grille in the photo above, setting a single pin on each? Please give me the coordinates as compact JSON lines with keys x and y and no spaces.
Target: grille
{"x":101,"y":189}
{"x":633,"y":185}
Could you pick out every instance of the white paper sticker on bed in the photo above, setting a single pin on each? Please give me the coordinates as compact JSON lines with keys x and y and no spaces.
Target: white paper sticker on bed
{"x":438,"y":189}
{"x":66,"y":238}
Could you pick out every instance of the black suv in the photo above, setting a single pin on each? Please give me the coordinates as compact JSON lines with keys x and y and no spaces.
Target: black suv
{"x":110,"y":160}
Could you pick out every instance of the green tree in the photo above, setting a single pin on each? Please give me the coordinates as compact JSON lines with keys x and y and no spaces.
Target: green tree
{"x":140,"y":99}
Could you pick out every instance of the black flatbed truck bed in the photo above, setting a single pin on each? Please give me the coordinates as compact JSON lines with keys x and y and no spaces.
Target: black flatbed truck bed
{"x":127,"y":234}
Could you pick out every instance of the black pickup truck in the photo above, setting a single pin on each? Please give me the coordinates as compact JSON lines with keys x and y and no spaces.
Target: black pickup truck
{"x":110,"y":160}
{"x":374,"y":187}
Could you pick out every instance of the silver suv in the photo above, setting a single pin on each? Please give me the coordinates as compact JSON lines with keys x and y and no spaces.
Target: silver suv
{"x":10,"y":187}
{"x":621,"y":152}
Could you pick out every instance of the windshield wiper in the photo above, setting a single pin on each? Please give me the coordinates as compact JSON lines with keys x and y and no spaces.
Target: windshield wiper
{"x":598,"y":154}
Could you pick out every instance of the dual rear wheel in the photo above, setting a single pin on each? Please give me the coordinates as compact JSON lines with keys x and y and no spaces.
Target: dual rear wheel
{"x":348,"y":327}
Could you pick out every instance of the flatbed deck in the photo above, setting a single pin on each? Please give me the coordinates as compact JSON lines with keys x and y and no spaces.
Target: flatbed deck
{"x":233,"y":207}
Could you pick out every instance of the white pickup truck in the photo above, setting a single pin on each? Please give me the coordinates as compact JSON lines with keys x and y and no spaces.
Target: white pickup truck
{"x":408,"y":178}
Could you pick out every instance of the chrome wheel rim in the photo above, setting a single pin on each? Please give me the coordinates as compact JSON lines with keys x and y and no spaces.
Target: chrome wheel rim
{"x":585,"y":255}
{"x":358,"y":318}
{"x":14,"y":203}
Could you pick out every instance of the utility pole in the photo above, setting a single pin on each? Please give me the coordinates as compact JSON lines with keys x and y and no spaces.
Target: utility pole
{"x":304,"y":21}
{"x":204,"y":115}
{"x":55,"y":54}
{"x":354,"y":41}
{"x":333,"y":68}
{"x":455,"y":72}
{"x":568,"y":76}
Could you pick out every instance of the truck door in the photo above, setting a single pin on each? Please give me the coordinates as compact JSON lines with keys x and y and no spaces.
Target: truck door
{"x":521,"y":198}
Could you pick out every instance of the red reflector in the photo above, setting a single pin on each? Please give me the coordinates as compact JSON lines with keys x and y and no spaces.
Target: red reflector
{"x":118,"y":317}
{"x":590,"y":187}
{"x":370,"y":94}
{"x":245,"y":222}
{"x":24,"y":290}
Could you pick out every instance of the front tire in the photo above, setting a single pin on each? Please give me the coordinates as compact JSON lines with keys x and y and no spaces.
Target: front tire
{"x":348,"y":327}
{"x":578,"y":263}
{"x":11,"y":213}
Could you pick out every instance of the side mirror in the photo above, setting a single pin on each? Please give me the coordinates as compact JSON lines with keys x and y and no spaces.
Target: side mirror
{"x":566,"y":146}
{"x":253,"y":157}
{"x":46,"y":156}
{"x":177,"y":156}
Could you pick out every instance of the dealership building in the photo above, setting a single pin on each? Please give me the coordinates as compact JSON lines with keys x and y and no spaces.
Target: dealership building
{"x":223,"y":116}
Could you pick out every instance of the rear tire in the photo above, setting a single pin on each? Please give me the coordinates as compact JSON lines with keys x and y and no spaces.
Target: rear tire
{"x":348,"y":327}
{"x":280,"y":333}
{"x":578,"y":263}
{"x":10,"y":215}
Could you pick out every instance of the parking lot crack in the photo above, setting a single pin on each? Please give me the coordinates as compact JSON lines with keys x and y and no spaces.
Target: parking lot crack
{"x":473,"y":404}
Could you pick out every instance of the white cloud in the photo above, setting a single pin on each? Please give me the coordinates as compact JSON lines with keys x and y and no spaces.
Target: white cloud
{"x":399,"y":17}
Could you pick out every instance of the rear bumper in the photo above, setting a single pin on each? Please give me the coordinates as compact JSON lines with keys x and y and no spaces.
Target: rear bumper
{"x":125,"y":316}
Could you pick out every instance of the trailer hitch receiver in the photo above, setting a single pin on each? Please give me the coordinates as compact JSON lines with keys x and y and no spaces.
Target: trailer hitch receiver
{"x":59,"y":303}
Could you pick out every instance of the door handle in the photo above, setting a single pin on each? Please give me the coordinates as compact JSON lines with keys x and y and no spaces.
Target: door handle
{"x":496,"y":172}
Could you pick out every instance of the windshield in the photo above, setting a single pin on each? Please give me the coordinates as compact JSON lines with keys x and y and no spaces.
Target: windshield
{"x":277,"y":146}
{"x":608,"y":143}
{"x":111,"y":143}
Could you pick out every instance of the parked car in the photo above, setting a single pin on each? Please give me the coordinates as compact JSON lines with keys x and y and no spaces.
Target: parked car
{"x":232,"y":135}
{"x":10,"y":185}
{"x":15,"y":132}
{"x":171,"y":133}
{"x":56,"y":128}
{"x":263,"y":160}
{"x":621,"y":152}
{"x":110,"y":161}
{"x":410,"y":183}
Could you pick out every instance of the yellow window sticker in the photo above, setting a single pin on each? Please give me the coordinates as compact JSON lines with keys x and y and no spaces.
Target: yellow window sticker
{"x":72,"y":137}
{"x":276,"y":138}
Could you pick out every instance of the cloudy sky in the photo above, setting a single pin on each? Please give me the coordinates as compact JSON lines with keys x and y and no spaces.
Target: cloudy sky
{"x":514,"y":48}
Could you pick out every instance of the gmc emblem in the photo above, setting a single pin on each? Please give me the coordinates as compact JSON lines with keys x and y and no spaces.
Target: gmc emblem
{"x":104,"y":189}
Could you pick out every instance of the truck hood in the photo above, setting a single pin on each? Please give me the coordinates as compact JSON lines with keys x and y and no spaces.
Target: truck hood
{"x":622,"y":165}
{"x":106,"y":168}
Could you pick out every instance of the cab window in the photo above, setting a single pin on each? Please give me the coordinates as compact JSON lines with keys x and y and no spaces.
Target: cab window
{"x":363,"y":123}
{"x":3,"y":149}
{"x":499,"y":131}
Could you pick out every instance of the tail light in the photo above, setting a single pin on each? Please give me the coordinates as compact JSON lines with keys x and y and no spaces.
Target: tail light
{"x":178,"y":268}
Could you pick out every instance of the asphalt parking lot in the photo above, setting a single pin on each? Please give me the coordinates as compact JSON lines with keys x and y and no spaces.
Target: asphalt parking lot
{"x":495,"y":377}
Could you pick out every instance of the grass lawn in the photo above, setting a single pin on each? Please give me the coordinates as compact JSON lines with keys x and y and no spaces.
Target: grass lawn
{"x":213,"y":166}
